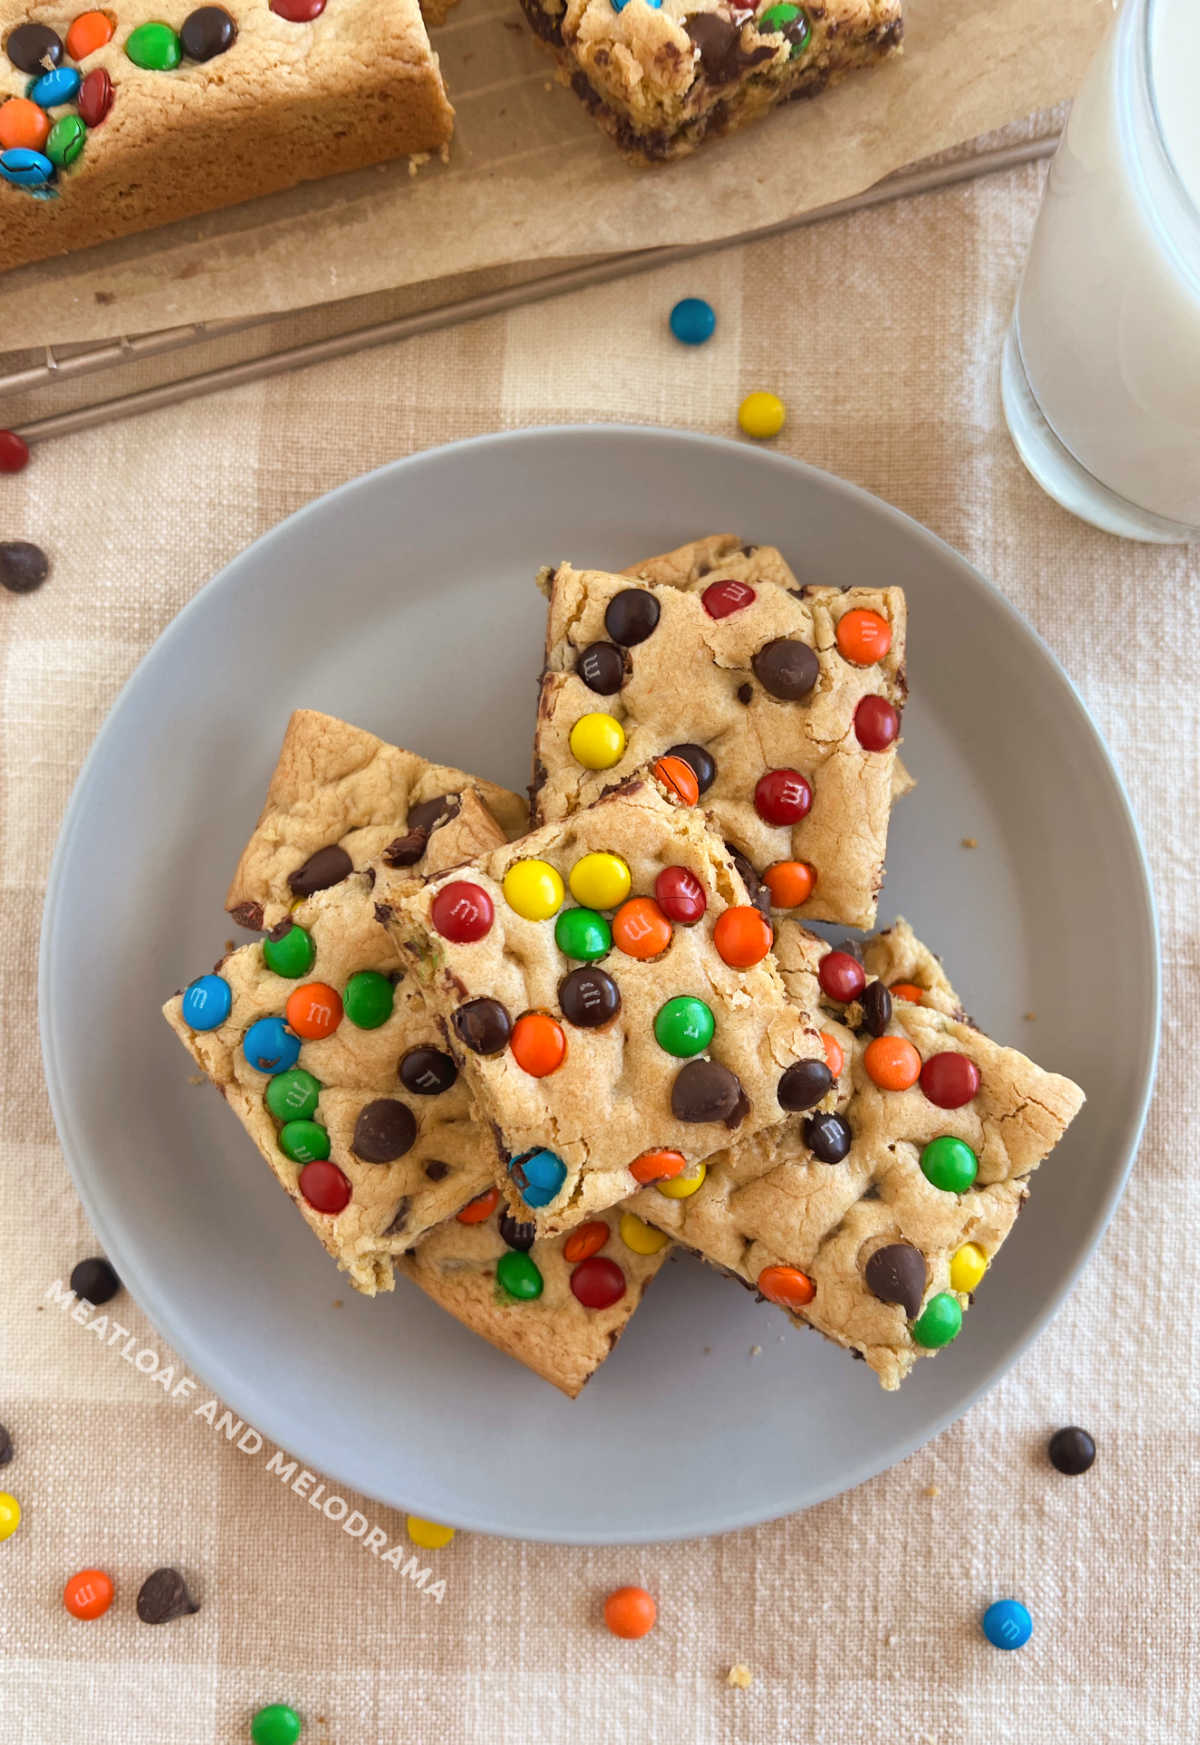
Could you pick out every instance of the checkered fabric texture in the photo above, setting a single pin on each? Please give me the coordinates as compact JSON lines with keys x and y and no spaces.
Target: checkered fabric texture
{"x":858,"y":1620}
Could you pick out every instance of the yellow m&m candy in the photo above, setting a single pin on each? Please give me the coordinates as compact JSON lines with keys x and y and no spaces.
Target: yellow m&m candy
{"x":641,"y":1237}
{"x":10,"y":1515}
{"x":597,"y":740}
{"x":968,"y":1267}
{"x":761,"y":415}
{"x":534,"y":889}
{"x":429,"y":1535}
{"x":600,"y":881}
{"x":681,"y":1187}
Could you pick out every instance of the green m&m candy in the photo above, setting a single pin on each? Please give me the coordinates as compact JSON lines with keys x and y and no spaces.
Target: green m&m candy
{"x":583,"y":934}
{"x":792,"y":21}
{"x":940,"y":1322}
{"x":65,"y":140}
{"x":949,"y":1164}
{"x":293,"y":1095}
{"x":684,"y":1026}
{"x":517,"y":1274}
{"x":367,"y":999}
{"x":276,"y":1724}
{"x":289,"y":952}
{"x":304,"y":1142}
{"x":155,"y":47}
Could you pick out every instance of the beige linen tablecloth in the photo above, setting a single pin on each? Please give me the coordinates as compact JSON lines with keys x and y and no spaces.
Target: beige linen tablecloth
{"x":858,"y":1620}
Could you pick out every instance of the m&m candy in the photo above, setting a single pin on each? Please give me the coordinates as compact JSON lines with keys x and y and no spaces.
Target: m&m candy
{"x":1071,"y":1450}
{"x":863,"y":637}
{"x":790,"y":882}
{"x":950,"y":1079}
{"x":949,"y":1164}
{"x":876,"y":723}
{"x":325,"y":1187}
{"x":742,"y":936}
{"x":154,"y":46}
{"x":517,"y":1274}
{"x":66,"y":141}
{"x":657,"y":1166}
{"x":10,"y":1514}
{"x":684,"y":1026}
{"x":1007,"y":1624}
{"x":314,"y":1011}
{"x":940,"y":1321}
{"x":538,"y":1176}
{"x":762,"y":415}
{"x":23,"y":124}
{"x":722,"y":599}
{"x":429,"y":1535}
{"x":600,"y":881}
{"x":891,"y":1062}
{"x":462,"y":912}
{"x":640,"y":929}
{"x":967,"y":1268}
{"x":25,"y":169}
{"x":583,"y":934}
{"x":680,"y":895}
{"x":288,"y":950}
{"x":678,"y":778}
{"x":682,"y":1187}
{"x":782,"y":796}
{"x":207,"y":1002}
{"x":293,"y":1095}
{"x":14,"y":451}
{"x":597,"y":741}
{"x":630,"y":1612}
{"x":585,"y":1240}
{"x":368,"y":999}
{"x":88,"y":1594}
{"x":60,"y":85}
{"x":90,"y":31}
{"x":269,"y":1046}
{"x":641,"y":1237}
{"x":693,"y":321}
{"x":538,"y":1043}
{"x":598,"y":1282}
{"x":533,"y":889}
{"x":787,"y":1286}
{"x":276,"y":1724}
{"x":841,"y":976}
{"x":304,"y":1141}
{"x":480,"y":1209}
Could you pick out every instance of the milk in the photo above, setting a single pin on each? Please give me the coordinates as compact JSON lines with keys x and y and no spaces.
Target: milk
{"x":1107,"y":325}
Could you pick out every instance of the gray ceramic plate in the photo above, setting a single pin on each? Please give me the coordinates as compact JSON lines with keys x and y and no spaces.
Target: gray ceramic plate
{"x":404,"y":602}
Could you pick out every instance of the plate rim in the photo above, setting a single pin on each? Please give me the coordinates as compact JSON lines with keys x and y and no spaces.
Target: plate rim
{"x":107,"y":1225}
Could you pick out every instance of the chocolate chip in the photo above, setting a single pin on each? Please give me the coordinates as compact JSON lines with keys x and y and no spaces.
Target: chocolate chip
{"x":827,"y":1137}
{"x":786,"y":668}
{"x":744,"y":693}
{"x":207,"y":32}
{"x":399,"y":1217}
{"x":23,"y":566}
{"x":33,"y":48}
{"x":757,"y":892}
{"x":876,"y":1008}
{"x":383,"y":913}
{"x":719,"y":42}
{"x":516,"y":1234}
{"x":406,"y":850}
{"x":483,"y":1025}
{"x":247,"y":915}
{"x":589,"y":997}
{"x":1071,"y":1450}
{"x":702,"y":763}
{"x":704,"y":1090}
{"x":95,"y":1280}
{"x":601,"y":666}
{"x":804,"y":1084}
{"x":280,"y":930}
{"x":852,"y":948}
{"x":427,"y":1072}
{"x":328,"y":866}
{"x":896,"y":1274}
{"x":436,"y":1170}
{"x":6,"y":1447}
{"x":384,"y":1131}
{"x":631,"y":616}
{"x":430,"y":813}
{"x":163,"y":1596}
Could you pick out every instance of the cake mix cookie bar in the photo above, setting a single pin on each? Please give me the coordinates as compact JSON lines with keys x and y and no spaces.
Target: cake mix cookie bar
{"x":875,"y":1211}
{"x":786,"y":703}
{"x":339,"y":800}
{"x":660,"y":76}
{"x":609,"y":992}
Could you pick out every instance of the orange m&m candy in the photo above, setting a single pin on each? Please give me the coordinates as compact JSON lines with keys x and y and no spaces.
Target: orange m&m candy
{"x":679,"y":779}
{"x":88,"y":1594}
{"x":790,"y":882}
{"x":640,"y":929}
{"x":23,"y":125}
{"x":657,"y":1166}
{"x":585,"y":1240}
{"x":863,"y":637}
{"x":478,"y":1210}
{"x":787,"y":1286}
{"x":908,"y":991}
{"x":90,"y":31}
{"x":742,"y":937}
{"x":538,"y":1044}
{"x":313,"y":1011}
{"x":630,"y":1612}
{"x":892,"y":1063}
{"x":835,"y":1058}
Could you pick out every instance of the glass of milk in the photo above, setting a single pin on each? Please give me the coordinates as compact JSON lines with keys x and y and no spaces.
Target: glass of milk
{"x":1101,"y":371}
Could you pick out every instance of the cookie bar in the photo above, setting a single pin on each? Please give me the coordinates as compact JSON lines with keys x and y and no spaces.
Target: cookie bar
{"x":339,"y":800}
{"x":326,"y":1053}
{"x":787,"y":707}
{"x":622,"y":1035}
{"x":874,"y":1212}
{"x":115,"y":120}
{"x":559,"y":1304}
{"x":660,"y":76}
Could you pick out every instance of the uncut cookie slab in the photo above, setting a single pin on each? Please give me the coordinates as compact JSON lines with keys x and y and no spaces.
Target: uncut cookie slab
{"x":875,"y":1211}
{"x":340,"y":799}
{"x":558,"y":1304}
{"x":325,"y":1051}
{"x":608,"y":991}
{"x":787,"y":706}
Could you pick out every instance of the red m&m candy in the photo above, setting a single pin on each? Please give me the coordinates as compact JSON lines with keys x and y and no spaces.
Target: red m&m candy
{"x":782,"y":796}
{"x":876,"y":723}
{"x":325,"y":1187}
{"x":462,"y":912}
{"x":14,"y":452}
{"x":95,"y":97}
{"x":680,"y":895}
{"x":598,"y":1282}
{"x":720,"y":599}
{"x":949,"y":1080}
{"x":841,"y":976}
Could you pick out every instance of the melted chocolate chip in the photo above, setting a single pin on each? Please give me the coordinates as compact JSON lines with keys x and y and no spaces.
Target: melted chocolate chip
{"x":589,"y":997}
{"x":876,"y":1008}
{"x":280,"y":930}
{"x":631,"y":616}
{"x":827,"y":1137}
{"x":804,"y":1084}
{"x":427,"y":1072}
{"x":436,"y":1170}
{"x":704,"y":1090}
{"x":484,"y":1026}
{"x":430,"y":813}
{"x":719,"y":42}
{"x":896,"y":1274}
{"x":601,"y":666}
{"x":786,"y":668}
{"x":399,"y":1217}
{"x":745,"y":693}
{"x":163,"y":1596}
{"x":406,"y":850}
{"x":384,"y":1131}
{"x":702,"y":763}
{"x":6,"y":1446}
{"x":328,"y":866}
{"x":247,"y":915}
{"x":516,"y":1234}
{"x":757,"y":892}
{"x":383,"y":913}
{"x":95,"y":1280}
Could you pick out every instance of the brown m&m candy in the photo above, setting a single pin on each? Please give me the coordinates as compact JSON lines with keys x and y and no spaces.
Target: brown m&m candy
{"x":427,"y":1072}
{"x":827,"y":1137}
{"x":631,"y":616}
{"x":207,"y":32}
{"x":589,"y":997}
{"x":33,"y":48}
{"x":601,"y":666}
{"x":704,"y":765}
{"x":876,"y":1008}
{"x":483,"y":1025}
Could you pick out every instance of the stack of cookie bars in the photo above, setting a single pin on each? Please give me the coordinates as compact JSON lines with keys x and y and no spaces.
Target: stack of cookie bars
{"x":517,"y":1054}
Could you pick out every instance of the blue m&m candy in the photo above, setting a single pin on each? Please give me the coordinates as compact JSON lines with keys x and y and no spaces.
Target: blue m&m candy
{"x":1007,"y":1624}
{"x":692,"y":320}
{"x":207,"y":1003}
{"x":25,"y":168}
{"x":270,"y":1046}
{"x":60,"y":85}
{"x":539,"y":1175}
{"x":620,"y":5}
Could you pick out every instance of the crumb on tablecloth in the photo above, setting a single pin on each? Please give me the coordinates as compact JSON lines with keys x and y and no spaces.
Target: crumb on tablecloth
{"x":969,"y":842}
{"x":739,"y":1677}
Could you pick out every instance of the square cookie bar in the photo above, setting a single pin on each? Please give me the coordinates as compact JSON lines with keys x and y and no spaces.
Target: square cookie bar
{"x":874,"y":1212}
{"x":325,"y":1051}
{"x":621,"y":1034}
{"x":339,"y":800}
{"x":660,"y":76}
{"x":786,"y":707}
{"x":558,"y":1304}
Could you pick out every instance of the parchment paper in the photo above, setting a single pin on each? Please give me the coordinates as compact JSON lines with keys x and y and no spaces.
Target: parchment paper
{"x":532,"y":178}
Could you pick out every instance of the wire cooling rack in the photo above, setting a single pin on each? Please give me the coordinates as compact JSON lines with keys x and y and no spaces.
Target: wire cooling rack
{"x":249,"y":349}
